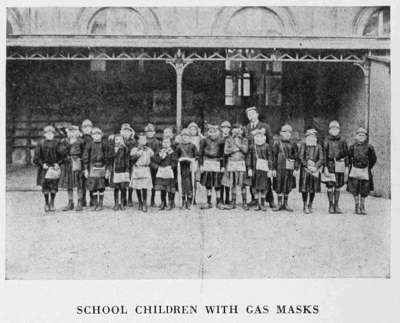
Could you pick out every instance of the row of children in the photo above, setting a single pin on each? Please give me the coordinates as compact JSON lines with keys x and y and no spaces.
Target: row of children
{"x":227,"y":160}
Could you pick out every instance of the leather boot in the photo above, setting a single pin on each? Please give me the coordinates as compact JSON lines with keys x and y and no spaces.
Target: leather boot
{"x":285,"y":204}
{"x":52,"y":198}
{"x":94,"y":203}
{"x":188,"y":202}
{"x":245,"y":205}
{"x":362,"y":206}
{"x":305,"y":208}
{"x":219,"y":204}
{"x":130,"y":203}
{"x":69,"y":207}
{"x":171,"y":198}
{"x":234,"y":203}
{"x":279,"y":206}
{"x":79,"y":206}
{"x":336,"y":205}
{"x":262,"y":206}
{"x":152,"y":198}
{"x":100,"y":206}
{"x":183,"y":202}
{"x":310,"y":208}
{"x":331,"y":205}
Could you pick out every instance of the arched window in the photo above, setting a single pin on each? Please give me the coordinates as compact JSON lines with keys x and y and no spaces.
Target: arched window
{"x":117,"y":21}
{"x":378,"y":23}
{"x":254,"y":22}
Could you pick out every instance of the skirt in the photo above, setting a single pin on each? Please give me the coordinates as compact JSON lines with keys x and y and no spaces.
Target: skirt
{"x":96,"y":184}
{"x":144,"y":182}
{"x":70,"y":179}
{"x":165,"y":184}
{"x":284,"y":181}
{"x":211,"y":180}
{"x":309,"y":183}
{"x":260,"y":181}
{"x":186,"y":178}
{"x":235,"y":179}
{"x":49,"y":185}
{"x":120,"y":186}
{"x":359,"y":187}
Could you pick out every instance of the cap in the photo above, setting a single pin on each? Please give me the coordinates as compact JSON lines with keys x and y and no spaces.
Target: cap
{"x":193,"y":124}
{"x":185,"y":132}
{"x":87,"y":122}
{"x":251,"y":109}
{"x":334,"y":124}
{"x":212,"y":126}
{"x":96,"y":130}
{"x":73,"y":128}
{"x":125,"y":126}
{"x":361,"y":130}
{"x":311,"y":132}
{"x":149,"y":127}
{"x":49,"y":128}
{"x":226,"y":124}
{"x":236,"y":125}
{"x":286,"y":128}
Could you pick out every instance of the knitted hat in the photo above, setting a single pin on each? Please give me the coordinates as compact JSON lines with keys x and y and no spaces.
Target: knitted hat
{"x":334,"y":124}
{"x":73,"y":128}
{"x":286,"y":128}
{"x":149,"y":127}
{"x":49,"y":128}
{"x":96,"y":130}
{"x":185,"y":132}
{"x":86,"y":123}
{"x":361,"y":130}
{"x":193,"y":124}
{"x":226,"y":124}
{"x":311,"y":132}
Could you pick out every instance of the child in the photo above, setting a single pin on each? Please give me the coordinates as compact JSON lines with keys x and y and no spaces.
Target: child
{"x":195,"y":137}
{"x":71,"y":167}
{"x":47,"y":158}
{"x":285,"y":164}
{"x":169,"y":133}
{"x":141,"y":176}
{"x":259,"y":162}
{"x":235,"y":149}
{"x":86,"y":129}
{"x":362,"y":159}
{"x":119,"y":178}
{"x":154,"y":144}
{"x":336,"y":163}
{"x":186,"y":153}
{"x":225,"y":133}
{"x":212,"y":164}
{"x":128,"y":134}
{"x":95,"y":162}
{"x":165,"y":178}
{"x":311,"y":160}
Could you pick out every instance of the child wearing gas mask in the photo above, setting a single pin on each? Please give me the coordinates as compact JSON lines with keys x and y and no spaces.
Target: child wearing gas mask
{"x":154,"y":144}
{"x":128,"y":134}
{"x":286,"y":165}
{"x":47,"y":158}
{"x":86,"y":129}
{"x":362,"y":159}
{"x":225,"y":188}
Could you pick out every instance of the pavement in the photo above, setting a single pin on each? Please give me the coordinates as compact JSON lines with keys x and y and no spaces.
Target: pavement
{"x":198,"y":244}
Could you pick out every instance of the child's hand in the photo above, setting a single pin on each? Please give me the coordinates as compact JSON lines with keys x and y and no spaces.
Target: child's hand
{"x":45,"y":166}
{"x":274,"y":173}
{"x":202,"y":169}
{"x":86,"y":173}
{"x":346,"y":174}
{"x":108,"y":174}
{"x":222,"y":169}
{"x":250,"y":173}
{"x":295,"y":172}
{"x":270,"y":174}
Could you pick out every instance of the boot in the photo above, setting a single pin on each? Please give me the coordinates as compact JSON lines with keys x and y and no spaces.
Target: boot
{"x":285,"y":204}
{"x":115,"y":208}
{"x":262,"y":206}
{"x":220,"y":205}
{"x":305,"y":208}
{"x":183,"y":202}
{"x":92,"y":200}
{"x":258,"y":207}
{"x":79,"y":206}
{"x":227,"y":191}
{"x":100,"y":206}
{"x":245,"y":205}
{"x":162,"y":206}
{"x":69,"y":207}
{"x":163,"y":201}
{"x":144,"y":207}
{"x":144,"y":196}
{"x":152,"y":203}
{"x":270,"y":198}
{"x":130,"y":203}
{"x":310,"y":209}
{"x":188,"y":203}
{"x":331,"y":205}
{"x":279,"y":206}
{"x":234,"y":203}
{"x":357,"y":208}
{"x":336,"y":205}
{"x":52,"y":198}
{"x":94,"y":203}
{"x":84,"y":203}
{"x":208,"y":205}
{"x":362,"y":206}
{"x":171,"y":197}
{"x":46,"y":203}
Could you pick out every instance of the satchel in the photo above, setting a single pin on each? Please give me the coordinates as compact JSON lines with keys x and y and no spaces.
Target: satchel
{"x":359,"y":173}
{"x":262,"y":164}
{"x":165,"y":172}
{"x":97,"y":171}
{"x":211,"y":166}
{"x":289,"y":164}
{"x":327,"y":178}
{"x":339,"y":166}
{"x":236,"y":166}
{"x":53,"y":173}
{"x":76,"y":164}
{"x":121,"y":177}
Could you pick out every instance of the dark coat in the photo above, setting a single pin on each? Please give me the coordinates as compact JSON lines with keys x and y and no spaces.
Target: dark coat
{"x":120,"y":164}
{"x":46,"y":152}
{"x":335,"y":148}
{"x":260,"y":180}
{"x":307,"y":182}
{"x":70,"y":179}
{"x":96,"y":153}
{"x":260,"y":125}
{"x":211,"y":149}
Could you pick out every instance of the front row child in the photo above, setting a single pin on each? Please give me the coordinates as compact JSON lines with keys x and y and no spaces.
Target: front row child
{"x":141,"y":179}
{"x":311,"y":161}
{"x":47,"y":158}
{"x":119,"y":175}
{"x":285,"y":158}
{"x":95,"y":162}
{"x":260,"y":165}
{"x":362,"y":159}
{"x":165,"y":182}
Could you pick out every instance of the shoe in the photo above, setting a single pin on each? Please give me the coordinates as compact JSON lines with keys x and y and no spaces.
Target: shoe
{"x":144,"y":207}
{"x":305,"y":209}
{"x":46,"y":207}
{"x":279,"y":206}
{"x":79,"y":206}
{"x":336,"y":208}
{"x":100,"y":205}
{"x":234,"y":204}
{"x":263,"y":208}
{"x":206,"y":206}
{"x":171,"y":206}
{"x":162,"y":206}
{"x":330,"y":199}
{"x":362,"y":207}
{"x":220,"y":206}
{"x":69,"y":207}
{"x":310,"y":209}
{"x":130,"y":203}
{"x":52,"y":206}
{"x":115,"y":208}
{"x":140,"y":207}
{"x":187,"y":204}
{"x":84,"y":203}
{"x":258,"y":207}
{"x":252,"y":203}
{"x":94,"y":206}
{"x":272,"y":204}
{"x":357,"y":208}
{"x":245,"y":206}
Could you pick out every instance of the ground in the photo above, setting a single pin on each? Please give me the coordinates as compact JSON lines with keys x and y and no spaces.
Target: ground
{"x":191,"y":244}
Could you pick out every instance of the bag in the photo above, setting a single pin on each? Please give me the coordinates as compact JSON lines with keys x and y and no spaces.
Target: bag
{"x":236,"y":166}
{"x":359,"y":173}
{"x":97,"y":171}
{"x":121,"y":178}
{"x":53,"y":173}
{"x":211,"y":166}
{"x":262,"y":164}
{"x":339,"y":166}
{"x":141,"y":172}
{"x":289,"y":164}
{"x":165,"y":172}
{"x":330,"y":177}
{"x":76,"y":164}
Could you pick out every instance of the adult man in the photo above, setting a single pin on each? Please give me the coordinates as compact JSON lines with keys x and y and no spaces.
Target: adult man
{"x":249,"y":131}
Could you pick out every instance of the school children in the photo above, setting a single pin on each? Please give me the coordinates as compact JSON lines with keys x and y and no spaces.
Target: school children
{"x":86,"y":129}
{"x":195,"y":137}
{"x":362,"y":159}
{"x":71,"y":168}
{"x":286,"y":164}
{"x":128,"y":133}
{"x":47,"y":158}
{"x":311,"y":160}
{"x":119,"y":174}
{"x":96,"y":168}
{"x":235,"y":149}
{"x":225,"y":133}
{"x":260,"y":167}
{"x":165,"y":182}
{"x":141,"y":179}
{"x":336,"y":161}
{"x":154,"y":144}
{"x":212,"y":164}
{"x":186,"y":153}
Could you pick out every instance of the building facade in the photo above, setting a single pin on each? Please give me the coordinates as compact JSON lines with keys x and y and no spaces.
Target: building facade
{"x":301,"y":65}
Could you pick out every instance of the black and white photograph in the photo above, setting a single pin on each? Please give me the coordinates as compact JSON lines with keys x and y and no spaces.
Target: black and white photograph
{"x":201,"y":142}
